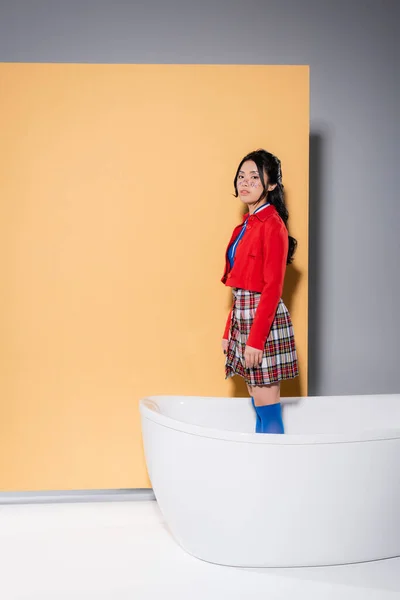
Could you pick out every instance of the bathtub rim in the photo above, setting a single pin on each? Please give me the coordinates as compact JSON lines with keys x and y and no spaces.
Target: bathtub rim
{"x":148,"y":411}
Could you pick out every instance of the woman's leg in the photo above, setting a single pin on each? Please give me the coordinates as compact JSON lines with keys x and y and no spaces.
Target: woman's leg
{"x":268,"y":394}
{"x":268,"y":408}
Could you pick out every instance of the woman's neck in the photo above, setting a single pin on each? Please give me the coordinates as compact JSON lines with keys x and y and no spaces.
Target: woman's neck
{"x":254,"y":207}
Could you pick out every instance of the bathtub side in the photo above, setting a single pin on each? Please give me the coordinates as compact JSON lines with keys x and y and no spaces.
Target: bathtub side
{"x":269,"y":505}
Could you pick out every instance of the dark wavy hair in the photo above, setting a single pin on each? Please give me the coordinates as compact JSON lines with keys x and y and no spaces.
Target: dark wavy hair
{"x":269,"y":164}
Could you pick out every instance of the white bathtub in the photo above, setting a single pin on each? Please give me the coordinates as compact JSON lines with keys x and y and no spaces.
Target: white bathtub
{"x":327,"y":492}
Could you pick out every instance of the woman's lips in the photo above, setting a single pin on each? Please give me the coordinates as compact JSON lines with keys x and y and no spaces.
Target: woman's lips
{"x":244,"y":192}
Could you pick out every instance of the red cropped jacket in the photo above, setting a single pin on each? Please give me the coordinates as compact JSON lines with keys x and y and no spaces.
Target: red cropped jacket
{"x":260,"y":266}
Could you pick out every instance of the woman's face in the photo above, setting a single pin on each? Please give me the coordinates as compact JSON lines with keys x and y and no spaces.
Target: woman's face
{"x":249,"y":184}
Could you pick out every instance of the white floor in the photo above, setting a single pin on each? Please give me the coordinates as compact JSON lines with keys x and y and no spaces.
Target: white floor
{"x":122,"y":550}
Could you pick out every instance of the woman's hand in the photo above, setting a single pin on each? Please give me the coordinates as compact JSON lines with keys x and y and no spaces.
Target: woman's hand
{"x":225,"y":346}
{"x":252,"y":357}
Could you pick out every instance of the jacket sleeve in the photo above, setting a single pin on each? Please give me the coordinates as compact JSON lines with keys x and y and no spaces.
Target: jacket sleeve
{"x":275,"y":250}
{"x":227,"y":326}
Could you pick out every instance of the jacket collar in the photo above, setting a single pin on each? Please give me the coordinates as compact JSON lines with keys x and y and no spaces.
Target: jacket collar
{"x":262,"y":215}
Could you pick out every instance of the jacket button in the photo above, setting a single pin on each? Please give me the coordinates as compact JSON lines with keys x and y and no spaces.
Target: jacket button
{"x":249,"y":226}
{"x":229,"y":275}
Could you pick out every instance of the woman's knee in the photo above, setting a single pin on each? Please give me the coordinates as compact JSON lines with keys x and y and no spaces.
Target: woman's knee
{"x":266,"y":394}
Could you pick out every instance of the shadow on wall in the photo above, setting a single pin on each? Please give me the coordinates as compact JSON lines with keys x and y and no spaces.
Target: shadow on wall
{"x":315,"y":261}
{"x":292,"y":387}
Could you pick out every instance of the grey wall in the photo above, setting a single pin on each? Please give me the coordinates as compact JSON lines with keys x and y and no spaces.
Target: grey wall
{"x":352,"y":48}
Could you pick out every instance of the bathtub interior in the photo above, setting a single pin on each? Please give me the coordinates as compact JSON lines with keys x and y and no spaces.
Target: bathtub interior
{"x":302,"y":415}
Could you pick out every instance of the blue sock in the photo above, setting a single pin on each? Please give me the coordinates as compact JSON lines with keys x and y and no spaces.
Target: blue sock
{"x":258,"y":418}
{"x":271,"y":418}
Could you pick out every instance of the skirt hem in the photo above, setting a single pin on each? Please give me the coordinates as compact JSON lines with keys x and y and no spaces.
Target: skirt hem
{"x":265,"y":383}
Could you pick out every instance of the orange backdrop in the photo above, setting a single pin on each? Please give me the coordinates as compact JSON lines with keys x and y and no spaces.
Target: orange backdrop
{"x":116,"y":206}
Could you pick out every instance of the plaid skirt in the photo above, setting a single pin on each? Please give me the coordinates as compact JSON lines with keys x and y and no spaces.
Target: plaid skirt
{"x":279,"y":357}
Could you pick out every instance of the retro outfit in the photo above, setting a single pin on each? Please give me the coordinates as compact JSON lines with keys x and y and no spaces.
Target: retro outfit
{"x":255,"y":270}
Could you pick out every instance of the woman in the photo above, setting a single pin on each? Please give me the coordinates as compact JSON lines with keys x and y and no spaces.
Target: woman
{"x":258,"y":338}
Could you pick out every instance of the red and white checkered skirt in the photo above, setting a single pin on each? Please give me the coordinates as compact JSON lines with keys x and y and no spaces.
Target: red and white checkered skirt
{"x":279,"y":358}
